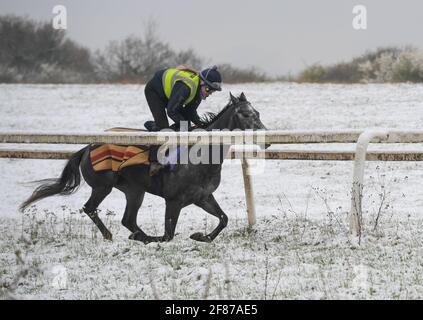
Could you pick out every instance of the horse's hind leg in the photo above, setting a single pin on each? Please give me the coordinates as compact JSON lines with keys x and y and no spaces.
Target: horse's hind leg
{"x":90,"y":208}
{"x":133,"y":204}
{"x":173,"y":209}
{"x":211,"y":206}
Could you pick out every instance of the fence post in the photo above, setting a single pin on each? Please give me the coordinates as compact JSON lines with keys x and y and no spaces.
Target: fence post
{"x":249,"y":194}
{"x":358,"y":175}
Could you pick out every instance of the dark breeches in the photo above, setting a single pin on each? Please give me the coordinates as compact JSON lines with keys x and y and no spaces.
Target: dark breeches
{"x":157,"y":108}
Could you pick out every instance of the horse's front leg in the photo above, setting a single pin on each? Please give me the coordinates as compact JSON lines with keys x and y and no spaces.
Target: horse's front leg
{"x":211,"y":206}
{"x":173,"y":209}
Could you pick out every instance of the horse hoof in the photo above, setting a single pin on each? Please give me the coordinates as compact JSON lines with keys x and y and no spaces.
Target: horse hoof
{"x":139,"y":236}
{"x":108,"y":236}
{"x":198,"y":236}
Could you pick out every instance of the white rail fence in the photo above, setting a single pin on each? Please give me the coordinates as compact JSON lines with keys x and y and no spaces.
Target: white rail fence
{"x":270,"y":137}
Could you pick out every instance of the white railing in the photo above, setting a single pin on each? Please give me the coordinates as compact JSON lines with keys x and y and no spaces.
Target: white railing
{"x":269,"y":137}
{"x":149,"y":138}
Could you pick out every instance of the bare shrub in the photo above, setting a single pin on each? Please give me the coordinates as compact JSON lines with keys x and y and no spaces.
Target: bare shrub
{"x":390,"y":64}
{"x":32,"y":51}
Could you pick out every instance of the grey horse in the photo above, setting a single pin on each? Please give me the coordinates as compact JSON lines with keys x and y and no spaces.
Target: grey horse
{"x":183,"y":185}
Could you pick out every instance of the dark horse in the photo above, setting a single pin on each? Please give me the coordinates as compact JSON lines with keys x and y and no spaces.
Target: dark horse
{"x":184,"y":185}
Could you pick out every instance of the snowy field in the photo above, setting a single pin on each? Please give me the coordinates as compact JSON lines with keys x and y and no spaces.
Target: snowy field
{"x":300,"y":247}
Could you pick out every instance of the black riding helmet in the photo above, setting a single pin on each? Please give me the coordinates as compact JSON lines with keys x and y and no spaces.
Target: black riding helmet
{"x":212,"y":78}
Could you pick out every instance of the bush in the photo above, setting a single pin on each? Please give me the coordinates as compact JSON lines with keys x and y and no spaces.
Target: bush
{"x":314,"y":73}
{"x":343,"y":73}
{"x":232,"y":74}
{"x":35,"y":52}
{"x":383,"y":65}
{"x":408,"y":67}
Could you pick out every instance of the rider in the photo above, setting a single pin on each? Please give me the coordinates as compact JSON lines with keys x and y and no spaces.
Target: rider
{"x":179,"y":91}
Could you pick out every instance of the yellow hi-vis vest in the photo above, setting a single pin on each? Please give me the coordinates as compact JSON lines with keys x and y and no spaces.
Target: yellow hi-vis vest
{"x":171,"y":76}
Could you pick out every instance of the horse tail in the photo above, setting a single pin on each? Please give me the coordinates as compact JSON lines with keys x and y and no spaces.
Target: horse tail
{"x":68,"y":182}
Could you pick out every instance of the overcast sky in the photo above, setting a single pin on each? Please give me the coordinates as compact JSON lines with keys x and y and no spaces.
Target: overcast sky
{"x":276,"y":36}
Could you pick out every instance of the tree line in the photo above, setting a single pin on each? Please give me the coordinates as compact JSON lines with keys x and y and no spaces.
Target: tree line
{"x":35,"y":52}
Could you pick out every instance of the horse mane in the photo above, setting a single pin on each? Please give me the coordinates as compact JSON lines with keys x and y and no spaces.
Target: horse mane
{"x":210,"y":117}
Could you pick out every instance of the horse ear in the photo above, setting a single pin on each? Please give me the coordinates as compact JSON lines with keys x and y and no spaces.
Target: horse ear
{"x":233,"y":99}
{"x":242,"y":97}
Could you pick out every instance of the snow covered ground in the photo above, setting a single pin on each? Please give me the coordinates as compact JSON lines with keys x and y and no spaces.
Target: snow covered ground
{"x":300,"y":247}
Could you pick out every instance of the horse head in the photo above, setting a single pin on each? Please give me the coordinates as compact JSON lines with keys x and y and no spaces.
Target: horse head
{"x":238,"y":114}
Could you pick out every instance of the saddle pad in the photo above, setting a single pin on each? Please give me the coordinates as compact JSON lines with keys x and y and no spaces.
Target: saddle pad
{"x":124,"y":129}
{"x":114,"y":157}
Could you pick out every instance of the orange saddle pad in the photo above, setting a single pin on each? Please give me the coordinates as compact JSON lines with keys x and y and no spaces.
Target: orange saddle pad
{"x":114,"y":157}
